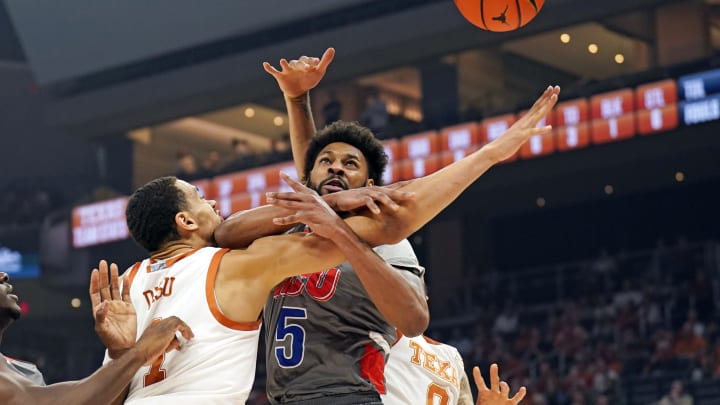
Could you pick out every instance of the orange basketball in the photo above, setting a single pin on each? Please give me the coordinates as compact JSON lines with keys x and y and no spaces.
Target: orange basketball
{"x":499,"y":15}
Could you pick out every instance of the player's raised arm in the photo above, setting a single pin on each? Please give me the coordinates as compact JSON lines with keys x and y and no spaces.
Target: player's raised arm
{"x":433,"y":192}
{"x":296,"y":78}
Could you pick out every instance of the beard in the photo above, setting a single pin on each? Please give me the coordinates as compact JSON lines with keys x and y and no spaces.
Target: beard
{"x":11,"y":313}
{"x":320,"y":188}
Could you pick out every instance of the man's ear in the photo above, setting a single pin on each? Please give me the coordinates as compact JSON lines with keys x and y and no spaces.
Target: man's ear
{"x":369,"y":183}
{"x":184,"y":221}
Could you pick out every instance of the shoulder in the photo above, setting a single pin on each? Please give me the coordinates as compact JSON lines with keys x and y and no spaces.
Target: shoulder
{"x":402,"y":256}
{"x":13,"y":390}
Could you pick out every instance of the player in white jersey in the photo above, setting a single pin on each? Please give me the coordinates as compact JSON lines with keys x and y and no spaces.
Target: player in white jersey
{"x":21,"y":383}
{"x":173,"y":222}
{"x":423,"y":371}
{"x":162,"y":287}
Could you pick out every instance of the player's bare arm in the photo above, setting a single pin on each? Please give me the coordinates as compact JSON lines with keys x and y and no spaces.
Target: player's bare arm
{"x":296,"y":78}
{"x":240,"y":229}
{"x":433,"y":192}
{"x":466,"y":397}
{"x":104,"y":385}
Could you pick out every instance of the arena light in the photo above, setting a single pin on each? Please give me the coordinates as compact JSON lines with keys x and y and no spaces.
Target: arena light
{"x":679,"y":177}
{"x":619,"y":58}
{"x":609,"y":189}
{"x":249,"y":112}
{"x":593,"y":48}
{"x":565,"y":38}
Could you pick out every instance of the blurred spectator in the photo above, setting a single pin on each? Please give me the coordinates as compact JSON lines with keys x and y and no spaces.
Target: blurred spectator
{"x":507,"y":322}
{"x":186,"y":166}
{"x":375,"y":115}
{"x":332,"y":110}
{"x":688,"y":344}
{"x":676,"y":396}
{"x":280,"y":150}
{"x":211,"y":165}
{"x":243,"y":156}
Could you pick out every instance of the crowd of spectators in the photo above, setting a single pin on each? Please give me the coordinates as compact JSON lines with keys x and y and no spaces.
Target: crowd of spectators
{"x":649,"y":315}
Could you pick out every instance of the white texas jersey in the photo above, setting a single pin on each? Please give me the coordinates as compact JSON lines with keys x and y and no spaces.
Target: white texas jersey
{"x":218,"y":365}
{"x":422,"y":371}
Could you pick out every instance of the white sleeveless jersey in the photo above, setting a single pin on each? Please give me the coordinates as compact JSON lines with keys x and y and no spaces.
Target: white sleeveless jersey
{"x":218,"y":365}
{"x":421,"y":371}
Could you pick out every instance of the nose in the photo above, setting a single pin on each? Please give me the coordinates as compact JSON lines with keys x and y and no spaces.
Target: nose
{"x":336,"y":168}
{"x":4,"y":278}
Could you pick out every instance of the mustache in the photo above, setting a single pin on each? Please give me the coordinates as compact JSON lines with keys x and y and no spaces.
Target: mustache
{"x":332,"y":178}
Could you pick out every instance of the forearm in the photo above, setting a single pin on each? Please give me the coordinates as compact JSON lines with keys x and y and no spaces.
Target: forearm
{"x":400,"y":303}
{"x":106,"y":385}
{"x":302,"y":128}
{"x":435,"y":192}
{"x":242,"y":228}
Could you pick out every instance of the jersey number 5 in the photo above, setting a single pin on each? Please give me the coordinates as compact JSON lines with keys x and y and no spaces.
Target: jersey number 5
{"x":292,"y":357}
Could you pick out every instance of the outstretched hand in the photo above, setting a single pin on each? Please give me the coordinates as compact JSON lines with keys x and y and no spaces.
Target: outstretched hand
{"x":499,"y":391}
{"x":367,"y":197}
{"x":161,"y":337}
{"x":523,"y":129}
{"x":309,"y":209}
{"x":114,"y":314}
{"x":298,"y":76}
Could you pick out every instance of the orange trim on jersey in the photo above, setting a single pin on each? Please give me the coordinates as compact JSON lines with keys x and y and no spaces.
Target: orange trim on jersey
{"x":398,"y":336}
{"x":132,"y":273}
{"x":212,"y":302}
{"x":432,"y":342}
{"x":169,"y":262}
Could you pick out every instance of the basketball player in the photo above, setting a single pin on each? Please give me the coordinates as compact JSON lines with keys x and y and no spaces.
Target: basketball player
{"x":423,"y":371}
{"x":303,"y":364}
{"x":342,"y":156}
{"x":21,"y":383}
{"x":221,"y":293}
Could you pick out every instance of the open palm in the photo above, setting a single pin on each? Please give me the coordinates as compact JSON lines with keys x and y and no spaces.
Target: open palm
{"x":299,"y":76}
{"x":114,"y":314}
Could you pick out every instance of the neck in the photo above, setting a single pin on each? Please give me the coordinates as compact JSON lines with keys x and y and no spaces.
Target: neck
{"x":173,"y":249}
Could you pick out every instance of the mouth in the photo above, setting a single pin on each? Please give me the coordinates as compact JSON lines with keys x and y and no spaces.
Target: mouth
{"x":334,"y":184}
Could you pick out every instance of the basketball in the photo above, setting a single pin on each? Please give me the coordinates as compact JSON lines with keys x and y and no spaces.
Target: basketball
{"x":499,"y":15}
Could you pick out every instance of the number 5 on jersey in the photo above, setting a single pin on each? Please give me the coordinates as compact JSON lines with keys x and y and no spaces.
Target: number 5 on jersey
{"x":291,"y":355}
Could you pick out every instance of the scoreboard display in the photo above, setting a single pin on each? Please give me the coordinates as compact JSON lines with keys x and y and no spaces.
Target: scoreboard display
{"x":648,"y":109}
{"x":700,"y":97}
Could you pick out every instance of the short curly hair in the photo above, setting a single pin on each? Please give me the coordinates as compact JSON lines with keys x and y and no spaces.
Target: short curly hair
{"x":353,"y":134}
{"x":150,"y":213}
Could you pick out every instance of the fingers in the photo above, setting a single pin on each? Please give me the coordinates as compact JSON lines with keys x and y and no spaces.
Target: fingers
{"x":284,"y":65}
{"x":114,"y":282}
{"x":518,"y":396}
{"x":296,"y":185}
{"x":504,"y":389}
{"x":126,"y":289}
{"x":273,"y":196}
{"x":271,"y":69}
{"x":95,"y":289}
{"x":288,"y":220}
{"x":104,"y":286}
{"x":479,"y":381}
{"x":370,"y":203}
{"x":326,"y":59}
{"x":100,"y":313}
{"x":494,"y":378}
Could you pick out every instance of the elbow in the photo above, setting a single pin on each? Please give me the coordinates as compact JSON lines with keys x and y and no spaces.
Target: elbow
{"x":416,"y":324}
